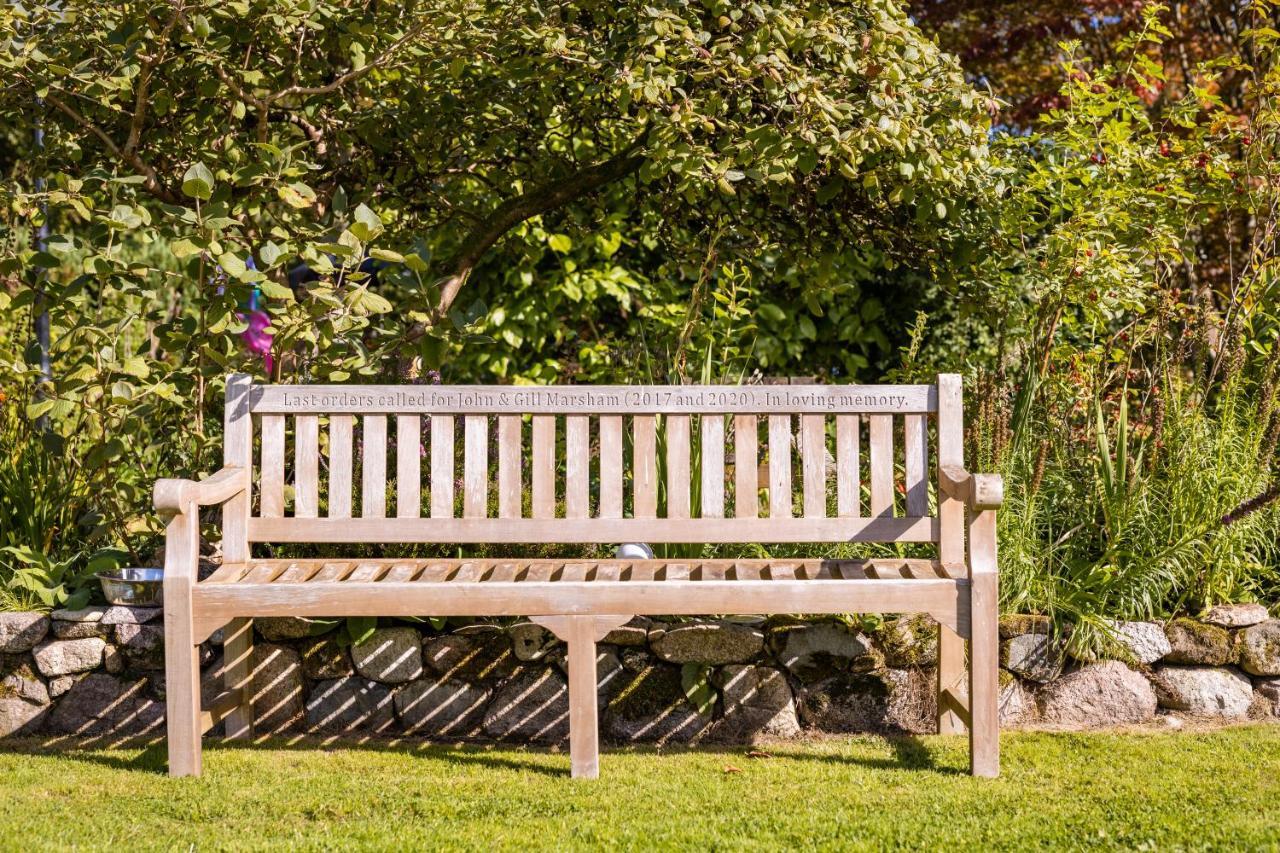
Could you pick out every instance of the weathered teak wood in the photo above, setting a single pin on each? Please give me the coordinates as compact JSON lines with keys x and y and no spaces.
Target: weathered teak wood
{"x":581,"y":599}
{"x":951,"y":651}
{"x":475,"y":482}
{"x":611,"y":466}
{"x":306,"y":466}
{"x":341,"y":431}
{"x":544,"y":466}
{"x":746,"y":451}
{"x":677,"y":466}
{"x":373,"y":466}
{"x":510,"y":438}
{"x":644,"y":472}
{"x":442,"y":467}
{"x":712,"y":466}
{"x":779,"y":466}
{"x":580,"y":634}
{"x":408,"y":466}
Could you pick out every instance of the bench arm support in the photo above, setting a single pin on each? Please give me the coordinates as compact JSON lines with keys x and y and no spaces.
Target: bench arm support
{"x":978,"y":491}
{"x":177,"y":496}
{"x":179,"y":501}
{"x":982,"y":495}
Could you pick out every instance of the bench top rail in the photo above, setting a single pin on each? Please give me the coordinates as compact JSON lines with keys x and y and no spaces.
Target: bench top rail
{"x":592,"y":464}
{"x":591,"y":399}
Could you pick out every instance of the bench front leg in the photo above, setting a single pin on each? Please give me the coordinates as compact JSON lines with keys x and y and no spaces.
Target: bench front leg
{"x":182,"y":653}
{"x":984,"y":634}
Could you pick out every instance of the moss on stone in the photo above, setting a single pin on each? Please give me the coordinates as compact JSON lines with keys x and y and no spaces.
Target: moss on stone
{"x":1024,"y":623}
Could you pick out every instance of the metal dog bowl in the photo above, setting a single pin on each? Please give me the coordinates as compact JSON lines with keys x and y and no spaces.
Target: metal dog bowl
{"x":137,"y":587}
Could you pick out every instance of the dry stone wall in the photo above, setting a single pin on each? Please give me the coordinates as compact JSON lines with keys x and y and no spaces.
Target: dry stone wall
{"x":99,"y":673}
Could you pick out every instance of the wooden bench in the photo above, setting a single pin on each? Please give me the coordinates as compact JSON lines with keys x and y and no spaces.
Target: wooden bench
{"x":605,"y":465}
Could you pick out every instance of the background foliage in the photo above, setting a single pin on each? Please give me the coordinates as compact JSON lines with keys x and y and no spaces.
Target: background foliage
{"x":581,"y":191}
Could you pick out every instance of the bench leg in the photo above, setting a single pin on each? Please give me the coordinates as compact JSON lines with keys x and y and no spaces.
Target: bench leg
{"x":237,"y":653}
{"x":584,"y":736}
{"x":984,"y":677}
{"x":952,"y":689}
{"x":581,"y":633}
{"x":182,"y":699}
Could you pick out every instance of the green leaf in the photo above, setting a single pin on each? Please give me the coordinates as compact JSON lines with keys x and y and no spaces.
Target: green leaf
{"x":38,"y":408}
{"x":198,"y":182}
{"x":136,"y":365}
{"x":387,"y":255}
{"x":365,"y":223}
{"x":184,"y":248}
{"x":269,"y":253}
{"x":361,"y":628}
{"x":232,"y":265}
{"x":297,"y":195}
{"x":275,"y":290}
{"x":560,"y":243}
{"x":695,"y":680}
{"x":772,"y":313}
{"x":374,"y":303}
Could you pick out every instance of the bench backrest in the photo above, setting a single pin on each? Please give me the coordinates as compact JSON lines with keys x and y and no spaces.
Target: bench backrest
{"x":435,"y":463}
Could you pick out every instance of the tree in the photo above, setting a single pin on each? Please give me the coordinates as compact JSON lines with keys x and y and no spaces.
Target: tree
{"x":800,"y":131}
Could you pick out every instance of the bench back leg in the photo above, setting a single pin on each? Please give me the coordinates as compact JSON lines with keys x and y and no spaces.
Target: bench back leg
{"x":237,"y":672}
{"x":952,"y":688}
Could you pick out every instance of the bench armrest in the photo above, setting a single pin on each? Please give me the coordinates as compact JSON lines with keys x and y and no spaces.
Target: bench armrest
{"x":174,"y":496}
{"x":978,"y":491}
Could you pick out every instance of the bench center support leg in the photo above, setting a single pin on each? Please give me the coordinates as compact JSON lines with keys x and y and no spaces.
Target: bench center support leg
{"x":581,"y":633}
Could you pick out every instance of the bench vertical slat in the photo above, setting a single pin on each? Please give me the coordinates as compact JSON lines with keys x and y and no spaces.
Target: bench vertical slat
{"x":779,"y":466}
{"x":713,"y":466}
{"x":340,"y":441}
{"x":644,"y":462}
{"x":848,"y":467}
{"x":881,"y":466}
{"x":677,"y":466}
{"x":237,"y":450}
{"x":577,"y":466}
{"x":611,"y":466}
{"x":813,"y":451}
{"x":475,"y":466}
{"x":510,"y":428}
{"x":373,"y":467}
{"x":306,"y":466}
{"x":915,"y":445}
{"x":746,"y":488}
{"x":442,"y":466}
{"x":272,"y":498}
{"x":408,"y":466}
{"x":544,"y":466}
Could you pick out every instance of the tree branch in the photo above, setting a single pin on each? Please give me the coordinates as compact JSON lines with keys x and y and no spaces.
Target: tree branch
{"x":355,"y":73}
{"x":517,"y":209}
{"x":152,"y":183}
{"x":140,"y":101}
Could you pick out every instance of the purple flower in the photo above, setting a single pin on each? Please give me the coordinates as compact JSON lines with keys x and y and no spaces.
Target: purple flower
{"x":256,"y":339}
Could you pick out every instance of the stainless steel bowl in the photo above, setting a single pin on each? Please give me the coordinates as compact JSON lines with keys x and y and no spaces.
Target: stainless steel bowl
{"x":137,"y":587}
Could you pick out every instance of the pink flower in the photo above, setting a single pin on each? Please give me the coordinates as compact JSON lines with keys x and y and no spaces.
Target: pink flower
{"x":256,"y":339}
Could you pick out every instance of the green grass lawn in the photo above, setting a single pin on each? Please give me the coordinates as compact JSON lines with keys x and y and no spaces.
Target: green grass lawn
{"x":1216,"y":789}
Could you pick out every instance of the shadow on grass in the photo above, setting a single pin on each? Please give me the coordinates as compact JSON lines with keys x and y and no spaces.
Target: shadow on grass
{"x":909,"y":752}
